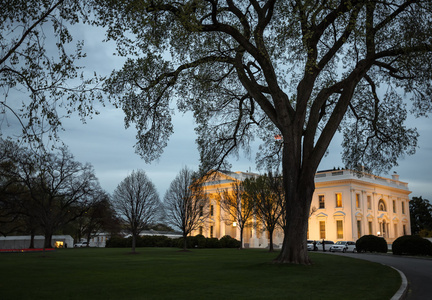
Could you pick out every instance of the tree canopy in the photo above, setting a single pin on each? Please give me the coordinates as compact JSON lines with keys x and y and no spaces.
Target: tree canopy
{"x":420,"y":215}
{"x":301,"y":70}
{"x":40,"y":76}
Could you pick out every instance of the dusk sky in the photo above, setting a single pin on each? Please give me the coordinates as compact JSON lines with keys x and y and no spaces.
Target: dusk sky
{"x":105,"y":143}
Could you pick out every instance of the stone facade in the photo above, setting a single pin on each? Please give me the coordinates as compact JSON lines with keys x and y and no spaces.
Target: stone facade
{"x":345,"y":206}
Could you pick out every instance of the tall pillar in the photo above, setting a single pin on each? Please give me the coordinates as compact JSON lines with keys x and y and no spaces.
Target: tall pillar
{"x":221,"y":221}
{"x":254,"y":242}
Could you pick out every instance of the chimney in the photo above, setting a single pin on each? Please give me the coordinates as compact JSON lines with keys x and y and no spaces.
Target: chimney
{"x":395,"y":176}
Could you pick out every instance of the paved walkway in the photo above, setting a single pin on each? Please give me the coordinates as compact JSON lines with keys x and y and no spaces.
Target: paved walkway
{"x":417,"y":270}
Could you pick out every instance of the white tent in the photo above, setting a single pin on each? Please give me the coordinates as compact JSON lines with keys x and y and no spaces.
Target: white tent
{"x":23,"y":242}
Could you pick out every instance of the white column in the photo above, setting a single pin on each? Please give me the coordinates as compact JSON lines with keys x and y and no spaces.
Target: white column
{"x":221,"y":221}
{"x":254,"y":242}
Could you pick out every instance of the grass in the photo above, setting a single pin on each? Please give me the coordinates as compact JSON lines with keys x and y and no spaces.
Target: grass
{"x":166,"y":273}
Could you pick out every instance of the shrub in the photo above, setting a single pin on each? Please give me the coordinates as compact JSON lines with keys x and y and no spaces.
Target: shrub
{"x":119,"y":242}
{"x":212,"y":243}
{"x":371,"y":243}
{"x":412,"y":245}
{"x":200,"y":241}
{"x":229,"y":242}
{"x":190,"y":242}
{"x":141,"y":241}
{"x":154,"y":241}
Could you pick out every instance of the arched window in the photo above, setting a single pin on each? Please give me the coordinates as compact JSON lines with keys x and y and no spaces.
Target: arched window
{"x":381,"y":205}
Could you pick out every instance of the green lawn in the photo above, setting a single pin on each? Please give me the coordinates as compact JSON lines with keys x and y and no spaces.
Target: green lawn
{"x":166,"y":273}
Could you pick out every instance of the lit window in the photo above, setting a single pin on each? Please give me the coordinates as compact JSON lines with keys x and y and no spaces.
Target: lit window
{"x":381,"y":205}
{"x":358,"y":200}
{"x":369,"y":202}
{"x":338,"y":200}
{"x":395,"y":230}
{"x":370,"y":227}
{"x":339,"y":226}
{"x":322,"y":229}
{"x":321,"y":201}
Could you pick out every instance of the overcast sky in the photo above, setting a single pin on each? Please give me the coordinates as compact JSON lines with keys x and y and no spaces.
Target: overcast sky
{"x":105,"y":143}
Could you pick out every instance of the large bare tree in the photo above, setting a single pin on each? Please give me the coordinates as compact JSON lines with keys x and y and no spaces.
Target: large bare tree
{"x":301,"y":69}
{"x":185,"y":202}
{"x":137,"y":202}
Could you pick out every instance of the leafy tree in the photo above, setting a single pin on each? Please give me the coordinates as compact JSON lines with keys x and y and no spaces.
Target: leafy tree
{"x":420,"y":214}
{"x":99,"y":214}
{"x":38,"y":59}
{"x":267,"y":193}
{"x":137,"y":203}
{"x":238,"y":207}
{"x":185,"y":203}
{"x":298,"y":70}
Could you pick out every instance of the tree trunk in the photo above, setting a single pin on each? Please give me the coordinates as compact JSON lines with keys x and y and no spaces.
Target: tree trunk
{"x":88,"y":239}
{"x":133,"y":243}
{"x":32,"y":237}
{"x":241,"y":238}
{"x":184,"y":241}
{"x":48,"y":240}
{"x":270,"y":232}
{"x":299,"y":187}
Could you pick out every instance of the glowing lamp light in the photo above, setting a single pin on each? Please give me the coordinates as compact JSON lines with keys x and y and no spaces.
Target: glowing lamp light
{"x":378,"y":233}
{"x":234,"y":224}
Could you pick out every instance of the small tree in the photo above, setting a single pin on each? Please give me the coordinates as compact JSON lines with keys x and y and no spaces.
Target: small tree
{"x":98,"y":217}
{"x":267,"y":194}
{"x":420,"y":214}
{"x":237,"y":207}
{"x":137,"y":202}
{"x":186,"y":205}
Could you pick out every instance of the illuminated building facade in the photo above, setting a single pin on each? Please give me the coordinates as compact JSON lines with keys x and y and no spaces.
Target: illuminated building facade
{"x":345,"y":206}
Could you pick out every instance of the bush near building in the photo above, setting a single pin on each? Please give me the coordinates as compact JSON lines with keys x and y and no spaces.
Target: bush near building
{"x":198,"y":241}
{"x":229,"y":242}
{"x":371,"y":243}
{"x":412,"y":245}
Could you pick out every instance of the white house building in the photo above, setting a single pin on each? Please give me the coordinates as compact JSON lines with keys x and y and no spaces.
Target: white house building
{"x":346,"y":205}
{"x":350,"y":205}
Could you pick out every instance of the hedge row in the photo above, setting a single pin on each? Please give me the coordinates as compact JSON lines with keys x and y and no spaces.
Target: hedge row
{"x":198,"y":241}
{"x":412,"y":245}
{"x":404,"y":245}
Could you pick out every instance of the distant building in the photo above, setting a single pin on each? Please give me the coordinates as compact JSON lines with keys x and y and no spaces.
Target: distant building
{"x":97,"y":239}
{"x":23,"y":242}
{"x":345,"y":206}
